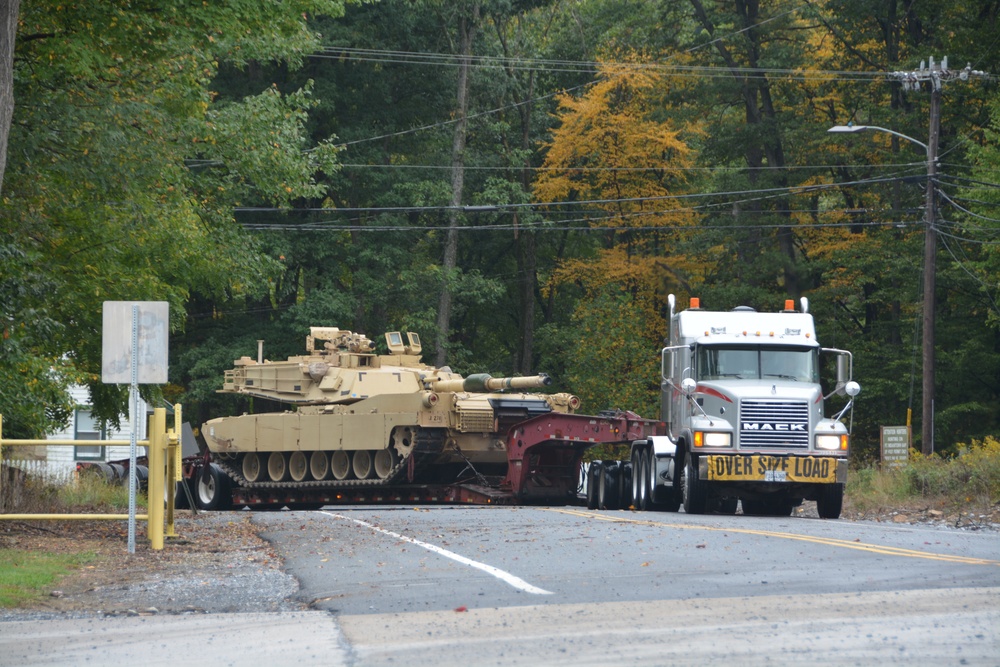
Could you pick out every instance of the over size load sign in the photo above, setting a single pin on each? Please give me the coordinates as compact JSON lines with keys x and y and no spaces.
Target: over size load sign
{"x":814,"y":469}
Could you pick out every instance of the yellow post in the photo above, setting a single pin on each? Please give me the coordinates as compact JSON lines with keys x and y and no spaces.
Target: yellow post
{"x":173,"y":466}
{"x":157,"y":450}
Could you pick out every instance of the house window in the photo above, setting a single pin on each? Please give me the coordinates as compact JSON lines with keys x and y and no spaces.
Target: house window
{"x":88,"y":428}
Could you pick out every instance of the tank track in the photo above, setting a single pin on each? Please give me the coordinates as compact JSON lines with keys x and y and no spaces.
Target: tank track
{"x":429,"y":442}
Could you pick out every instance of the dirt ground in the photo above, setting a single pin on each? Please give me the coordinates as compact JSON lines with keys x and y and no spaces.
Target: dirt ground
{"x":217,"y":561}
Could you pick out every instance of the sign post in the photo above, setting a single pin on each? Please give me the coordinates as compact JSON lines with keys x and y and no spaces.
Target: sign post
{"x":134,"y":350}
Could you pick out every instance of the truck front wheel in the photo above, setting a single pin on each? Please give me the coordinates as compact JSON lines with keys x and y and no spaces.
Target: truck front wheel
{"x":830,"y":501}
{"x":695,"y":491}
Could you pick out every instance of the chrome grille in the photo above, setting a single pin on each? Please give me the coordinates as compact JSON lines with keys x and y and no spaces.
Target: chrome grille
{"x":775,"y":424}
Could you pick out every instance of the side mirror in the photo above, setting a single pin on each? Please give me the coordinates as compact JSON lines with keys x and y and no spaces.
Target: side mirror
{"x":688,"y":385}
{"x":852,"y":388}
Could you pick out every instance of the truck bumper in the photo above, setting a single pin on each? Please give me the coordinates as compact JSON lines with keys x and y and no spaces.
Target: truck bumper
{"x":772,"y":468}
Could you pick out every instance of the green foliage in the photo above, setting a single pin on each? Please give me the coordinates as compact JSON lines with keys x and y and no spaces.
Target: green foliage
{"x":124,"y":170}
{"x":26,"y":575}
{"x":143,"y":136}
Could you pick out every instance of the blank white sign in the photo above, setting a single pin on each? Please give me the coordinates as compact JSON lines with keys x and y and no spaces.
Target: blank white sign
{"x":153,"y":331}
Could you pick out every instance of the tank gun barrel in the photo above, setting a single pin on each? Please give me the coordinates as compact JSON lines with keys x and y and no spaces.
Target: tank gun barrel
{"x":482,"y":382}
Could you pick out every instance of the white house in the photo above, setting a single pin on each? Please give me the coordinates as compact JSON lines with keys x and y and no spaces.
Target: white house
{"x":61,"y":460}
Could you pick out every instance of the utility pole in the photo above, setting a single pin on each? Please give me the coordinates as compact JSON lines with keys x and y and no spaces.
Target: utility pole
{"x":935,"y":75}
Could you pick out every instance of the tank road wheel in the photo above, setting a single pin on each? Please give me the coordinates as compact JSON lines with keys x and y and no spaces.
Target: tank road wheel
{"x":385,"y":461}
{"x":277,"y":467}
{"x":694,"y":492}
{"x":319,"y":465}
{"x":594,"y":472}
{"x":252,"y":468}
{"x":213,"y":489}
{"x":361,"y":463}
{"x":298,"y":467}
{"x":340,"y":464}
{"x":830,"y":501}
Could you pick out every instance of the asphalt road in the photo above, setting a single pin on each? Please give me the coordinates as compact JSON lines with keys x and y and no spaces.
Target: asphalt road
{"x":439,"y":586}
{"x":432,"y":586}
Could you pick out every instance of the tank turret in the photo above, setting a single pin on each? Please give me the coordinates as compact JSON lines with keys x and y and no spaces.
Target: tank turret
{"x":357,"y":417}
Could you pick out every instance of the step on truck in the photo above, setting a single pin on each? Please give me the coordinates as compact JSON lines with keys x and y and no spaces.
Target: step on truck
{"x":745,"y":420}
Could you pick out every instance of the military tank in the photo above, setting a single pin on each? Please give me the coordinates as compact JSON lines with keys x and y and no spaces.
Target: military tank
{"x":357,"y":418}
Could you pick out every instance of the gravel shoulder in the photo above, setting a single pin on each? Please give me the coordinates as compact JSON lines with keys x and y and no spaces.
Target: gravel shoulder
{"x":216,"y":563}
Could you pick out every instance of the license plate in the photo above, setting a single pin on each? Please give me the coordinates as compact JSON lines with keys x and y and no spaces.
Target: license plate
{"x":821,"y":469}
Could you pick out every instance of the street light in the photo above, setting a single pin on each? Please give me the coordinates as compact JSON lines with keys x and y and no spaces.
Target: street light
{"x":930,"y":260}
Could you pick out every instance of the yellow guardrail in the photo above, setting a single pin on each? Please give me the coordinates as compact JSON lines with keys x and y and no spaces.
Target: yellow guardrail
{"x":163,"y":455}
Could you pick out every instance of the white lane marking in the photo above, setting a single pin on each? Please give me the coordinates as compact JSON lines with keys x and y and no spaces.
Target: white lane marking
{"x":507,"y":577}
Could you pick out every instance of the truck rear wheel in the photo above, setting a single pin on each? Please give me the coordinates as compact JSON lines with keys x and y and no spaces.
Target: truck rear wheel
{"x":638,"y":479}
{"x":607,"y":490}
{"x":830,"y":501}
{"x":593,"y":475}
{"x":695,"y":493}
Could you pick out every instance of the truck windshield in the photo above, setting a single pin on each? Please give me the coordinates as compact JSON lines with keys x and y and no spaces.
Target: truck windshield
{"x":799,"y":364}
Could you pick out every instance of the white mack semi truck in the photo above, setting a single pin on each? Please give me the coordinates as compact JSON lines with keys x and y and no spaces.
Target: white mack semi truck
{"x":745,"y":420}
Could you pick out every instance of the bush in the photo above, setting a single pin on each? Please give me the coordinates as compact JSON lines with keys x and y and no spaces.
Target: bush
{"x":972,"y":476}
{"x":30,"y":494}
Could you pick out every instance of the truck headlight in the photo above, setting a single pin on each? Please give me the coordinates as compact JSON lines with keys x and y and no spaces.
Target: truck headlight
{"x":712,"y":439}
{"x":832,"y":442}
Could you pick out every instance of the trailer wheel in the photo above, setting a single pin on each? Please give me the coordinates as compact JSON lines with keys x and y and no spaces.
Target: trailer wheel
{"x":141,"y":478}
{"x":593,"y":473}
{"x":213,"y":490}
{"x":694,"y":491}
{"x":625,"y":473}
{"x":607,"y":490}
{"x":830,"y":501}
{"x":180,"y":497}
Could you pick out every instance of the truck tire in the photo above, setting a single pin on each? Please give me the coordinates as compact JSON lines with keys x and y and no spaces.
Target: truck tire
{"x":607,"y":490}
{"x":830,"y":501}
{"x":180,"y":497}
{"x":638,"y":479}
{"x":593,"y":475}
{"x":694,"y":492}
{"x":625,"y":472}
{"x":645,"y":491}
{"x":213,"y":489}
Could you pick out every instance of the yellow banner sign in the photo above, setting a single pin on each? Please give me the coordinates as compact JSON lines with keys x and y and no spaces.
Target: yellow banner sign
{"x":822,"y":469}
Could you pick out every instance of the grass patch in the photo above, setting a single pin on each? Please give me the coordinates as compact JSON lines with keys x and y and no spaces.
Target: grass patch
{"x":970,"y":478}
{"x":26,"y":576}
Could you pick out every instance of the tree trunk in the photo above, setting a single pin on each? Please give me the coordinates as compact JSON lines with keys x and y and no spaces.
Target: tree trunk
{"x":467,"y":29}
{"x":8,"y":23}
